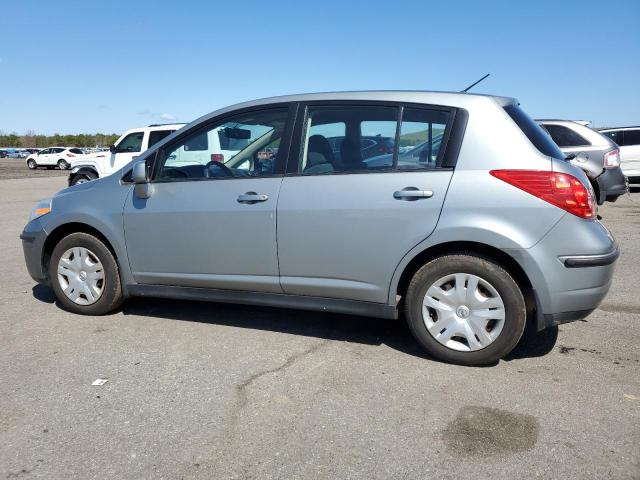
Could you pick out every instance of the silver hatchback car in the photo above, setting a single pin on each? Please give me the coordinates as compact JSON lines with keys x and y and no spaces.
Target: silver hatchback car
{"x":471,"y":227}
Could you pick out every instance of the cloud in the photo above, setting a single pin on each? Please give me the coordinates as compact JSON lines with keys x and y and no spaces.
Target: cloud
{"x":167,"y":117}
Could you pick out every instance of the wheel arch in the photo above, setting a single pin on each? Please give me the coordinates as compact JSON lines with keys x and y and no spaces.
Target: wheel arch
{"x":65,"y":229}
{"x":468,"y":247}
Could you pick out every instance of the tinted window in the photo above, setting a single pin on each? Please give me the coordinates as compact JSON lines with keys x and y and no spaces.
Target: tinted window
{"x":421,"y":135}
{"x":536,"y":135}
{"x":350,"y":124}
{"x":77,"y":151}
{"x":631,"y":137}
{"x":256,"y":136}
{"x":57,"y":150}
{"x":615,"y":135}
{"x":130,"y":143}
{"x":155,"y":137}
{"x":565,"y":137}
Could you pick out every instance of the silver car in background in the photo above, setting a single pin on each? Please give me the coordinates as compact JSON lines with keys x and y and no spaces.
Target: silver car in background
{"x":477,"y":227}
{"x":593,"y":152}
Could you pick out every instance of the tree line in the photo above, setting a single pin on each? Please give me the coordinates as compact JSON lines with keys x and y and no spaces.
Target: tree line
{"x":33,"y":140}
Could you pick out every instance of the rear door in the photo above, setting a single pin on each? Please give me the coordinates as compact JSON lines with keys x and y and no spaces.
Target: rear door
{"x":345,"y":223}
{"x":630,"y":151}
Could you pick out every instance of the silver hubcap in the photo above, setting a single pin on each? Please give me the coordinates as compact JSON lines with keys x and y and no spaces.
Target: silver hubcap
{"x":463,"y":312}
{"x":81,"y":275}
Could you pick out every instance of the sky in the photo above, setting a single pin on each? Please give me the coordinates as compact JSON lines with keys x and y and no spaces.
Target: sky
{"x":87,"y":66}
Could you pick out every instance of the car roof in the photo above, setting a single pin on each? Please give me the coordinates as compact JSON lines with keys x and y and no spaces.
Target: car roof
{"x":609,"y":129}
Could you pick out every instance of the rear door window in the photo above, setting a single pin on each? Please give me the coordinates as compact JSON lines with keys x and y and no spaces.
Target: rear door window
{"x":566,"y":137}
{"x":156,"y":136}
{"x":349,"y":123}
{"x":536,"y":135}
{"x":421,"y":137}
{"x":615,"y":135}
{"x":631,"y":137}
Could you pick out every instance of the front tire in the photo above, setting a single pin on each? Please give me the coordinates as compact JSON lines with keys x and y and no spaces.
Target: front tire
{"x":31,"y":163}
{"x":83,"y":178}
{"x":465,"y":309}
{"x":84,"y":275}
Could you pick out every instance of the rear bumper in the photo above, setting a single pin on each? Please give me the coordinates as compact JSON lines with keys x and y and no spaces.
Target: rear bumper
{"x":569,"y":287}
{"x":612,"y":183}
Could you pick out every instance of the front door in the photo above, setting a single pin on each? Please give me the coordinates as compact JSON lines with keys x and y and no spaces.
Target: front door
{"x":345,"y":221}
{"x":212,"y":223}
{"x":128,"y":148}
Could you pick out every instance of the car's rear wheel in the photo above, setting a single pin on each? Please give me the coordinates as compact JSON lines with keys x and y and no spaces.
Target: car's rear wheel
{"x":63,"y":164}
{"x":84,"y":275}
{"x":465,"y":309}
{"x":31,"y":163}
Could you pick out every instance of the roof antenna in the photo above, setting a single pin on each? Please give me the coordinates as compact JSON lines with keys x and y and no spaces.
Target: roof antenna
{"x":474,"y":84}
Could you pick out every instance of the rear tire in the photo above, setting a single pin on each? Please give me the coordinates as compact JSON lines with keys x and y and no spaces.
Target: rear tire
{"x":62,"y":164}
{"x":460,"y":321}
{"x":31,"y":163}
{"x":101,"y":300}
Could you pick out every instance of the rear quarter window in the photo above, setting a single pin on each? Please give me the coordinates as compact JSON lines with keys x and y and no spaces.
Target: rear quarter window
{"x":536,"y":135}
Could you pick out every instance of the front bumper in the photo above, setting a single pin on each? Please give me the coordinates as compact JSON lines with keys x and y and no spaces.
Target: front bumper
{"x":33,"y":240}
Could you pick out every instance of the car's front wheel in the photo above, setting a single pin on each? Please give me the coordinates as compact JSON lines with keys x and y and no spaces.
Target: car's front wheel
{"x":84,"y":275}
{"x":83,"y":178}
{"x":465,"y":309}
{"x":31,"y":163}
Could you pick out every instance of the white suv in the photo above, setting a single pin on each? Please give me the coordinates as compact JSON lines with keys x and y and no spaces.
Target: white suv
{"x":60,"y":157}
{"x":130,"y":144}
{"x":628,"y":139}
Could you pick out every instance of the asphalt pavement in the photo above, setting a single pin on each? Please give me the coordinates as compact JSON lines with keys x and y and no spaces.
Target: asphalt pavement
{"x":202,"y":390}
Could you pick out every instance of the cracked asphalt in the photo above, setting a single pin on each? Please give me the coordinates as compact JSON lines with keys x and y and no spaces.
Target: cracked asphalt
{"x":199,"y":390}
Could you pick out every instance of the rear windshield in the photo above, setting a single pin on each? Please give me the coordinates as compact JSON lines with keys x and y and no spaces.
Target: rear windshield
{"x":536,"y":135}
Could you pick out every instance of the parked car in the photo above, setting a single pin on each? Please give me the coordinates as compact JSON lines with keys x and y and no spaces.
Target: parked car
{"x":4,"y":154}
{"x":60,"y":157}
{"x":131,"y":143}
{"x":628,"y":140}
{"x":470,"y":247}
{"x":593,"y":152}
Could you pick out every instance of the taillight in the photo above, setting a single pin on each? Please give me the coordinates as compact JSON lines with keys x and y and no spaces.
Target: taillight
{"x":217,"y":157}
{"x":70,"y":155}
{"x":612,"y":159}
{"x":559,"y":189}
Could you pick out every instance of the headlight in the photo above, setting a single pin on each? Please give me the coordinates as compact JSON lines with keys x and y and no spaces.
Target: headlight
{"x":42,"y":208}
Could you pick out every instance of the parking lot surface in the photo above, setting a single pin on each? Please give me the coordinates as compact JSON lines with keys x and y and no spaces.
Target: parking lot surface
{"x":197,"y":390}
{"x":17,"y":168}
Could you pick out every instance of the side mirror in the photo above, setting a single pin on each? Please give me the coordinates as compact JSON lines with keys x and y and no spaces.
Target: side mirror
{"x":143,"y":188}
{"x":113,"y":149}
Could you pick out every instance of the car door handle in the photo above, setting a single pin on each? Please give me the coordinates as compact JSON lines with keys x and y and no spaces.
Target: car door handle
{"x":252,"y":197}
{"x":412,"y":193}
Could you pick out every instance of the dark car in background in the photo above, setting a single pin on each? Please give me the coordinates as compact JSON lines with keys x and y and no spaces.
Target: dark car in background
{"x":4,"y":154}
{"x":593,"y":152}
